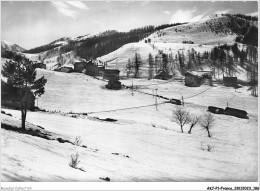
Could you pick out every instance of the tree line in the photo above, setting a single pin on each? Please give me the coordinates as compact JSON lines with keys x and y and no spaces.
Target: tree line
{"x":223,"y":60}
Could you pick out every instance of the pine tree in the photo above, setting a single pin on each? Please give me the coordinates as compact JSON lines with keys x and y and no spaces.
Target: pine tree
{"x":157,"y":63}
{"x":137,"y":64}
{"x":128,"y":68}
{"x":165,"y":63}
{"x":151,"y":65}
{"x":21,"y":73}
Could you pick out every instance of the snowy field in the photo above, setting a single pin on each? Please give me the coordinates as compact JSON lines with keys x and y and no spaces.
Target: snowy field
{"x":142,"y":145}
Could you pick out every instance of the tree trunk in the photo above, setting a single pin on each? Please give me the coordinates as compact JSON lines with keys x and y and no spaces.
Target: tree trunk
{"x":23,"y":119}
{"x":24,"y":108}
{"x":190,"y":128}
{"x":208,"y":133}
{"x":181,"y":129}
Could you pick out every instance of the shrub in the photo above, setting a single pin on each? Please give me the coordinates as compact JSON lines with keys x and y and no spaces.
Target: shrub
{"x":77,"y":140}
{"x":74,"y":161}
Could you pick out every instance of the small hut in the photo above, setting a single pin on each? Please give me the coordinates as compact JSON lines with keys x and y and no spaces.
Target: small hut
{"x":79,"y":66}
{"x":114,"y":85}
{"x":163,"y":75}
{"x":40,"y":65}
{"x":216,"y":110}
{"x":113,"y":79}
{"x":230,"y":81}
{"x":197,"y":78}
{"x":236,"y":112}
{"x":91,"y":68}
{"x":65,"y":69}
{"x":111,"y":74}
{"x":193,"y":80}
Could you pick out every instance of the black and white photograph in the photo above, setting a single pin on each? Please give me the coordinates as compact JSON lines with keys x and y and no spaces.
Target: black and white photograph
{"x":129,"y":91}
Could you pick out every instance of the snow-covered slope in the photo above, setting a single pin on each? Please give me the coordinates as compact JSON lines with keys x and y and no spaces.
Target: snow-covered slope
{"x":5,"y":45}
{"x":142,"y":145}
{"x":211,"y":30}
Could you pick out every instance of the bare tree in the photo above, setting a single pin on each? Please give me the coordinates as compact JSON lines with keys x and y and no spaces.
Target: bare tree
{"x":194,"y":119}
{"x":180,"y":116}
{"x":207,"y":122}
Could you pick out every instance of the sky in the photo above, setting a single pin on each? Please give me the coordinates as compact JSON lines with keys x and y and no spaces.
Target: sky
{"x":34,"y":23}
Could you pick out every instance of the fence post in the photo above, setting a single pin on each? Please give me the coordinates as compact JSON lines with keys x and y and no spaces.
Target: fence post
{"x":156,"y":99}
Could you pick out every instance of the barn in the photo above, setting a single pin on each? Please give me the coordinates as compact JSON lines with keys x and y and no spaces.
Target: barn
{"x":79,"y":66}
{"x":111,"y":74}
{"x":193,"y":79}
{"x":40,"y":65}
{"x":230,"y":81}
{"x":91,"y":68}
{"x":197,"y":78}
{"x":163,"y":75}
{"x":236,"y":112}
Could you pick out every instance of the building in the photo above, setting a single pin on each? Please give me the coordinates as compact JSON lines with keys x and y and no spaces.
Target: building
{"x":230,"y":81}
{"x":193,"y":79}
{"x":65,"y":69}
{"x":111,"y":74}
{"x":79,"y":66}
{"x":40,"y":65}
{"x":163,"y":75}
{"x":11,"y":97}
{"x":197,"y":78}
{"x":236,"y":112}
{"x":216,"y":110}
{"x":114,"y":85}
{"x":101,"y":70}
{"x":91,"y":68}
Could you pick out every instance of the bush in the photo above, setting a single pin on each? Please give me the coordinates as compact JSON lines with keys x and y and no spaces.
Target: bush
{"x":74,"y":161}
{"x":77,"y":140}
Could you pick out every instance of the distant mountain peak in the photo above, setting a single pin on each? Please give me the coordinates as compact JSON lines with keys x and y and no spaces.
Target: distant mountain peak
{"x":5,"y":45}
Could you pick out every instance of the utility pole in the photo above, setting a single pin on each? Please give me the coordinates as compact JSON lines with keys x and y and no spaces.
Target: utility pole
{"x":156,"y":99}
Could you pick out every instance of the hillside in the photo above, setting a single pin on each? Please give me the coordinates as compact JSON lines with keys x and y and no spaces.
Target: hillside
{"x":179,"y":39}
{"x":7,"y":46}
{"x":134,"y":148}
{"x":200,"y":37}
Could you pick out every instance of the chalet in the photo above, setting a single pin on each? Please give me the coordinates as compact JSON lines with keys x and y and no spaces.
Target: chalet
{"x":197,"y":78}
{"x":115,"y":85}
{"x":40,"y":65}
{"x":91,"y":68}
{"x":193,"y":80}
{"x":236,"y":112}
{"x":163,"y":75}
{"x":79,"y":66}
{"x":216,"y":110}
{"x":101,"y":70}
{"x":11,"y":97}
{"x":111,"y":74}
{"x":230,"y":81}
{"x":66,"y":69}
